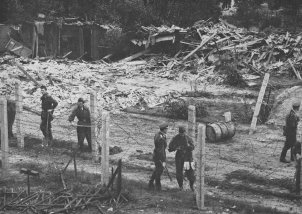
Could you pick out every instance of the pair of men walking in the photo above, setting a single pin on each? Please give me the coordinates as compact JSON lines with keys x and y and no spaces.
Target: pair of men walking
{"x":81,"y":112}
{"x":183,"y":145}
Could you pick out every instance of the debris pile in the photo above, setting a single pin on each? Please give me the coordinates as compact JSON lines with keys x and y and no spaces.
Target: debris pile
{"x":200,"y":53}
{"x":62,"y":201}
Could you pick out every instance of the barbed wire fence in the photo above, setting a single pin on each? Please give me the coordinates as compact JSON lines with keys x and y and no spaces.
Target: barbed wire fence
{"x":29,"y":137}
{"x":239,"y":164}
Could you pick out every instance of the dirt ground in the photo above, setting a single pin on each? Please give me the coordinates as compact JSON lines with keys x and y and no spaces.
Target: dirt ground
{"x":243,"y":174}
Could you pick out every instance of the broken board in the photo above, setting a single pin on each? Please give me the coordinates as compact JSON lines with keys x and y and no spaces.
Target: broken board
{"x":259,"y":102}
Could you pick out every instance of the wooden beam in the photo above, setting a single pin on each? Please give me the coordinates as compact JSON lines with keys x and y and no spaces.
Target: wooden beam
{"x":4,"y":133}
{"x":25,"y":72}
{"x":259,"y":102}
{"x":81,"y":42}
{"x":134,"y":56}
{"x":19,"y":114}
{"x":93,"y":118}
{"x":200,"y":169}
{"x":105,"y":148}
{"x":200,"y":46}
{"x":296,"y":72}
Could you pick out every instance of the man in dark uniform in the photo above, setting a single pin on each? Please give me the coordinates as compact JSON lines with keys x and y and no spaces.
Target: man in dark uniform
{"x":290,"y":132}
{"x":83,"y":128}
{"x":48,"y":106}
{"x":184,"y":146}
{"x":159,"y":156}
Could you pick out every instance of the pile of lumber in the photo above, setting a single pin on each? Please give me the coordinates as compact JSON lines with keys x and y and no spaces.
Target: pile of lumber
{"x":63,"y":201}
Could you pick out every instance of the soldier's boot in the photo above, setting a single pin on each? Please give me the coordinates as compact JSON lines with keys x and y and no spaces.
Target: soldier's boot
{"x":151,"y":185}
{"x":158,"y":185}
{"x":192,"y":186}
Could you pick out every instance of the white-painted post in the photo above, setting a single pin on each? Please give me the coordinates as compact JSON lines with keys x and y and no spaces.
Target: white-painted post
{"x":4,"y":133}
{"x":200,"y":158}
{"x":192,"y":124}
{"x":258,"y":104}
{"x":94,"y":145}
{"x":105,"y":148}
{"x":19,"y":111}
{"x":227,"y":117}
{"x":192,"y":121}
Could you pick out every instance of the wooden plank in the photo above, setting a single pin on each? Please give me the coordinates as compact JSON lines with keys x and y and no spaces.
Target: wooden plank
{"x":296,"y":72}
{"x":105,"y":149}
{"x":134,"y":56}
{"x":192,"y":124}
{"x":19,"y":113}
{"x":200,"y":46}
{"x":259,"y":102}
{"x":25,"y":72}
{"x":94,"y":145}
{"x":200,"y":169}
{"x":4,"y":133}
{"x":81,"y":42}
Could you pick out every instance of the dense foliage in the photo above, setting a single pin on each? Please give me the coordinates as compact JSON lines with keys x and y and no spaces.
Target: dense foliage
{"x":123,"y":12}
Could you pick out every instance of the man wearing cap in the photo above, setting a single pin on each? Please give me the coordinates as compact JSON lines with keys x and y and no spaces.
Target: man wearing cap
{"x":84,"y":123}
{"x":290,"y":131}
{"x":159,"y":156}
{"x":184,"y":146}
{"x":48,"y":106}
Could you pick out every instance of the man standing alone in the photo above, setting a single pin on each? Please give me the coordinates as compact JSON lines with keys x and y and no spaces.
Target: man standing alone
{"x":159,"y":156}
{"x":84,"y":123}
{"x":290,"y":132}
{"x":48,"y":107}
{"x":183,"y":145}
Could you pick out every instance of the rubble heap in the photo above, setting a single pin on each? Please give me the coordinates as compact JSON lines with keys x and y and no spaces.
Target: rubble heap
{"x":199,"y":53}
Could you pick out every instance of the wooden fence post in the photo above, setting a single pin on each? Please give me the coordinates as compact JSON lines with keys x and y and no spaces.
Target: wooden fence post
{"x":200,"y":158}
{"x":192,"y":121}
{"x":192,"y":124}
{"x":4,"y":133}
{"x":19,"y":109}
{"x":105,"y":148}
{"x":94,"y":144}
{"x":258,"y":104}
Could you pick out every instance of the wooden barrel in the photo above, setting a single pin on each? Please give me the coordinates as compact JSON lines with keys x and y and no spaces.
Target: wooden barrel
{"x":220,"y":131}
{"x":231,"y":128}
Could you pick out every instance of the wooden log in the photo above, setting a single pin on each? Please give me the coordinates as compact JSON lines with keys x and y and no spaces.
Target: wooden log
{"x":4,"y":133}
{"x":119,"y":178}
{"x":259,"y":102}
{"x":200,"y":171}
{"x":134,"y":56}
{"x":105,"y":149}
{"x":25,"y":72}
{"x":192,"y":124}
{"x":296,"y":72}
{"x":203,"y":43}
{"x":93,"y":117}
{"x":75,"y":164}
{"x":19,"y":112}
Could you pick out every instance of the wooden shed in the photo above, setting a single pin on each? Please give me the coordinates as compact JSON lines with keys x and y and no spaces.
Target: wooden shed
{"x":60,"y":38}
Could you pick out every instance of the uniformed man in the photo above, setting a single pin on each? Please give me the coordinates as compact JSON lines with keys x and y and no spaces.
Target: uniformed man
{"x":184,"y":146}
{"x":159,"y":156}
{"x":84,"y":123}
{"x":48,"y":106}
{"x":290,"y":131}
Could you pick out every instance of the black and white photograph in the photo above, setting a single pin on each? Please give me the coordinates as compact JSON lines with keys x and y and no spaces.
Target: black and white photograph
{"x":150,"y":106}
